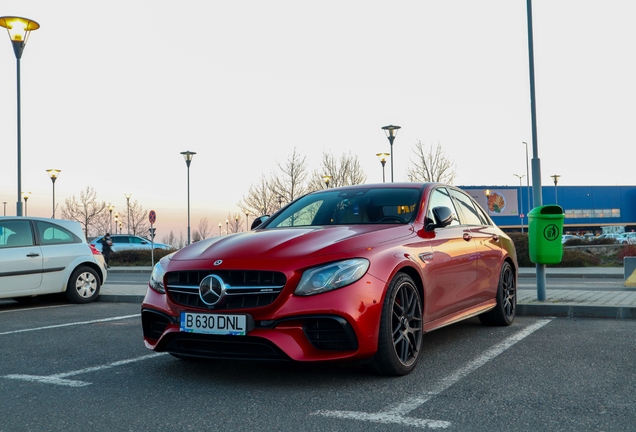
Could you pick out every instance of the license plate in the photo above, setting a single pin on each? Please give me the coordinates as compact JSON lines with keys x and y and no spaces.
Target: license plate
{"x":235,"y":325}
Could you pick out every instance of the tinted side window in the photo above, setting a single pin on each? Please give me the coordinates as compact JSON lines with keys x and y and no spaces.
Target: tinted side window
{"x":470,"y":216}
{"x":15,"y":233}
{"x":121,"y":239}
{"x":136,"y":240}
{"x":440,"y":197}
{"x":54,"y":234}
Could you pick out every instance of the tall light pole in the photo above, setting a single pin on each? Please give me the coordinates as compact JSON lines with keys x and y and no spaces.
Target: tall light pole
{"x":128,"y":207}
{"x":116,"y":221}
{"x":247,"y":215}
{"x":327,"y":179}
{"x":188,"y":155}
{"x":555,"y":177}
{"x":391,"y":132}
{"x":527,"y":176}
{"x":110,"y":221}
{"x":53,"y":173}
{"x":5,"y":207}
{"x":227,"y":226}
{"x":19,"y":30}
{"x":383,"y":157}
{"x":26,"y":196}
{"x":219,"y":228}
{"x":520,"y":200}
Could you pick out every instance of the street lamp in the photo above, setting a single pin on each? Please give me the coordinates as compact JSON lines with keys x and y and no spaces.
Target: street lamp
{"x":327,"y":179}
{"x":128,"y":207}
{"x":391,"y":132}
{"x":527,"y":176}
{"x":53,"y":173}
{"x":110,"y":221}
{"x":19,"y":30}
{"x":520,"y":200}
{"x":219,"y":228}
{"x":383,"y":157}
{"x":188,"y":155}
{"x":555,"y":177}
{"x":116,"y":221}
{"x":5,"y":207}
{"x":26,"y":196}
{"x":247,"y":215}
{"x":227,"y":226}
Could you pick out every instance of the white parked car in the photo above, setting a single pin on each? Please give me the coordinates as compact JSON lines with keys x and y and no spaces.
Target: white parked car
{"x":627,"y":238}
{"x":45,"y":256}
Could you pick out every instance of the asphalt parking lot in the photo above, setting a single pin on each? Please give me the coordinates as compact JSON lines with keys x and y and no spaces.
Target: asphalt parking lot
{"x":84,"y":367}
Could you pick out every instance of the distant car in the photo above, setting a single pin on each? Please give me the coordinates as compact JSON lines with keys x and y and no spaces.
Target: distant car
{"x":612,"y":236}
{"x":627,"y":238}
{"x":45,"y":256}
{"x":357,"y":273}
{"x":127,"y":242}
{"x":568,"y":237}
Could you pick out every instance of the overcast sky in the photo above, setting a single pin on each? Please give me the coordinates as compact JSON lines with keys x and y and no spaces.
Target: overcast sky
{"x":113,"y":91}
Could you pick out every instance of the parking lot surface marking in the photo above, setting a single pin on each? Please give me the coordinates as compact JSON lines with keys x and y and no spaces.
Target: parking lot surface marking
{"x":70,"y":324}
{"x":59,"y":379}
{"x":397,"y":414}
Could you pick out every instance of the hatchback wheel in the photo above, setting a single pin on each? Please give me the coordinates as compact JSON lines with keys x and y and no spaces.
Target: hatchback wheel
{"x":503,"y":313}
{"x":83,"y":286}
{"x":400,"y":339}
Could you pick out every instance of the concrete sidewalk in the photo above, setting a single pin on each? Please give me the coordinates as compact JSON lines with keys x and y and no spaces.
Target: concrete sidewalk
{"x":607,"y":303}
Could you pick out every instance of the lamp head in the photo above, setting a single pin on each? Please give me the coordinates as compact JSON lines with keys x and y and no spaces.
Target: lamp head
{"x":391,"y":131}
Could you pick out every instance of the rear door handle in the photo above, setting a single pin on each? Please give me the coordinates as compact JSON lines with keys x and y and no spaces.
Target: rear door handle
{"x":33,"y":255}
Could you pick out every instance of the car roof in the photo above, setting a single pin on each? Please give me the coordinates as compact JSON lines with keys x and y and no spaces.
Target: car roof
{"x":71,"y":225}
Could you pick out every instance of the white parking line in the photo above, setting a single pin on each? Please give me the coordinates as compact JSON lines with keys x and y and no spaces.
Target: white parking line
{"x":397,"y":414}
{"x":70,"y":324}
{"x":32,"y":308}
{"x":59,"y":379}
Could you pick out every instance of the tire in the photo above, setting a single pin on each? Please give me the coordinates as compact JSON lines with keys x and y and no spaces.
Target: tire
{"x":83,"y":286}
{"x":400,"y":338}
{"x":503,"y":314}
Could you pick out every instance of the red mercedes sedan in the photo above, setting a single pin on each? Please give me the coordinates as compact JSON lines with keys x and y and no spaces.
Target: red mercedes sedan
{"x":355,"y":273}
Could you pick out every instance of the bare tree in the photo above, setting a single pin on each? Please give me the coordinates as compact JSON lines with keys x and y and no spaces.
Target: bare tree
{"x":196,"y":236}
{"x":170,"y":240}
{"x":290,"y":183}
{"x":260,"y":200}
{"x":235,"y":223}
{"x":343,"y":172}
{"x":204,"y":229}
{"x":431,"y":166}
{"x":87,"y":210}
{"x":139,"y":222}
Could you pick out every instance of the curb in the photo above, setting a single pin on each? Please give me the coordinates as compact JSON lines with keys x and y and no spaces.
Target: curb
{"x":578,"y":311}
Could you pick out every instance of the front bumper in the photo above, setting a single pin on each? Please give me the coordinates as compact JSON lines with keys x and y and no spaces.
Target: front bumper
{"x":340,"y":324}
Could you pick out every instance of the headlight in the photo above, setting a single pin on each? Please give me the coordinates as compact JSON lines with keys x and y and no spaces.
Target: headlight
{"x":331,"y":276}
{"x":156,"y":279}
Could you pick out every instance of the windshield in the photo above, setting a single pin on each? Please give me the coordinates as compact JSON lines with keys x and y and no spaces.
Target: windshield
{"x":350,"y":207}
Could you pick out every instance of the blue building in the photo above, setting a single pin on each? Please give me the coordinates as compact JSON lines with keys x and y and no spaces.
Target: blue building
{"x":593,"y":209}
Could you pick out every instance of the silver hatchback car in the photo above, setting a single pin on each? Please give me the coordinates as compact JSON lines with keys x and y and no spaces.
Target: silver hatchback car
{"x":127,"y":242}
{"x":45,"y":256}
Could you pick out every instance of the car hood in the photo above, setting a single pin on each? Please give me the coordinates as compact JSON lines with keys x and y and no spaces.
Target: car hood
{"x":282,"y":243}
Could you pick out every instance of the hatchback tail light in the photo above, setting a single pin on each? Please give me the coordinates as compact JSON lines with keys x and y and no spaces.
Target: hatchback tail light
{"x":94,"y":249}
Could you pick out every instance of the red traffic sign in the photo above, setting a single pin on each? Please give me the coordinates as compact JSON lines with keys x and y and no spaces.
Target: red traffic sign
{"x":152,"y":216}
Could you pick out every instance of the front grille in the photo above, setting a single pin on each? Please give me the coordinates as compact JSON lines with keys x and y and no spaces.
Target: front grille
{"x":330,"y":334}
{"x":222,"y":347}
{"x":245,"y":288}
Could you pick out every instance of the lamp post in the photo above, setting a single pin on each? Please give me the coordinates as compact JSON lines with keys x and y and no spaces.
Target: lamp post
{"x":219,"y":228}
{"x":110,"y":220}
{"x":527,"y":176}
{"x":247,"y":215}
{"x":327,"y":179}
{"x":5,"y":207}
{"x":383,"y":157}
{"x":128,"y":207}
{"x":26,"y":196}
{"x":53,"y":173}
{"x":116,"y":221}
{"x":19,"y":30}
{"x":555,"y":177}
{"x":188,"y":155}
{"x":227,"y":226}
{"x":520,"y":200}
{"x":391,"y":132}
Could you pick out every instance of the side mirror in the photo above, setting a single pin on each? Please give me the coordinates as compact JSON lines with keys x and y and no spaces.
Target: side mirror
{"x":258,"y":221}
{"x":443,"y":217}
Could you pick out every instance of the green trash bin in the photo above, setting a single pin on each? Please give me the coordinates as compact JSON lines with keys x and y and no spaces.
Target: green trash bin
{"x":545,"y":229}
